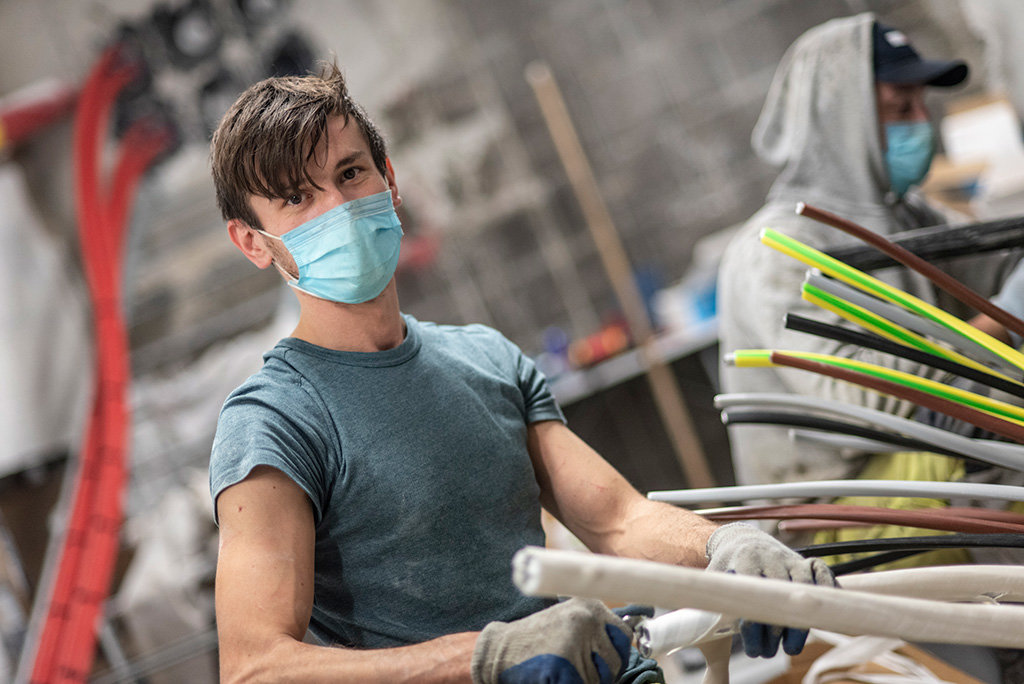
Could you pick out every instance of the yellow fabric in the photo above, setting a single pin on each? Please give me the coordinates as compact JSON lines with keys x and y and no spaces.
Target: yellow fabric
{"x":917,"y":465}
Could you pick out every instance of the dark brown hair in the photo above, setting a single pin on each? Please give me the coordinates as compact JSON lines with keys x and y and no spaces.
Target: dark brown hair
{"x":269,"y":135}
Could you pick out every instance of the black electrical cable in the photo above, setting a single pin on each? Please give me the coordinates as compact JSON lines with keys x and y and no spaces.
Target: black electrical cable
{"x":858,"y":564}
{"x":959,"y":540}
{"x":878,"y":343}
{"x":939,"y":242}
{"x":738,"y":415}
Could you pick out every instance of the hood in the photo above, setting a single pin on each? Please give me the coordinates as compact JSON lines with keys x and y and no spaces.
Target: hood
{"x":820,"y":121}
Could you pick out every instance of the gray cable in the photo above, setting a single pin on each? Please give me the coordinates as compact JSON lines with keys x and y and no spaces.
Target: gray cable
{"x":912,"y":489}
{"x":836,"y":441}
{"x":911,"y":321}
{"x":997,"y":453}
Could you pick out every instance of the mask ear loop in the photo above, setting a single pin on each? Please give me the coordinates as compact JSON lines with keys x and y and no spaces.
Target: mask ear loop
{"x":288,"y":276}
{"x":292,"y":281}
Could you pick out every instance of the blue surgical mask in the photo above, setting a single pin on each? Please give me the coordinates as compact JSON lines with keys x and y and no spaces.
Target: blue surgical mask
{"x":347,"y":254}
{"x":910,"y":146}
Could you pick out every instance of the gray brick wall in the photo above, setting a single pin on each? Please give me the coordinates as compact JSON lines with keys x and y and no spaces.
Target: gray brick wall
{"x":664,"y":95}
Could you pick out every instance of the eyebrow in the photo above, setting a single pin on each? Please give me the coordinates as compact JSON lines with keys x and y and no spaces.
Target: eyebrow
{"x":344,"y":161}
{"x":348,"y":159}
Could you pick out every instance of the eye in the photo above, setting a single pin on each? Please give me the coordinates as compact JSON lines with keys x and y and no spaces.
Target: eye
{"x":294,"y":199}
{"x":349,"y":173}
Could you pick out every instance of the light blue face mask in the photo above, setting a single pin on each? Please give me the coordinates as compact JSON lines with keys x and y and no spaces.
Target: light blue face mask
{"x":347,"y":254}
{"x":910,"y":147}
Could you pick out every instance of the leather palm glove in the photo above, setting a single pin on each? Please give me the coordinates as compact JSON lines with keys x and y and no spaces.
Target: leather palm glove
{"x":746,"y":550}
{"x":579,"y":640}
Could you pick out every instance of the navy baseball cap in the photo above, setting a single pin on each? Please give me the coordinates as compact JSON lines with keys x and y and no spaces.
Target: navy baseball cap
{"x":896,"y":61}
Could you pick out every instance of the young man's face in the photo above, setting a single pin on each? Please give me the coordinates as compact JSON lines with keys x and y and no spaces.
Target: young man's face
{"x":343,"y":168}
{"x":899,"y":104}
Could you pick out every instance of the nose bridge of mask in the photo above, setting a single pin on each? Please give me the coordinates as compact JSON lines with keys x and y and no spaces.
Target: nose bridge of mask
{"x":346,"y":212}
{"x":343,"y":215}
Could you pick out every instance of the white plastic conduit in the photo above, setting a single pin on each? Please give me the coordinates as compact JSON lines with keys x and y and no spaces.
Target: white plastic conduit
{"x":976,"y":583}
{"x":544,"y":572}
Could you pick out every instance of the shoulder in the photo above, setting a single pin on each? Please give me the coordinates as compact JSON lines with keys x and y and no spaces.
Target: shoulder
{"x":274,"y":405}
{"x":746,"y":257}
{"x":475,"y":335}
{"x":281,"y":379}
{"x":275,"y":419}
{"x":474,"y":347}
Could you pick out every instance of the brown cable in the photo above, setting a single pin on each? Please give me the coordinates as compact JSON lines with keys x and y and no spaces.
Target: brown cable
{"x":927,"y":519}
{"x":817,"y":524}
{"x":1003,"y":428}
{"x":942,"y":280}
{"x":813,"y":524}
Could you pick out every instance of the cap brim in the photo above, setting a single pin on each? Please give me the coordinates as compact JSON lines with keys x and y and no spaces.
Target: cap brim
{"x":925,"y":72}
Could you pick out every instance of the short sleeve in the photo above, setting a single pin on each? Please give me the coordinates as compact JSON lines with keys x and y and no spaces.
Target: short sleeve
{"x":540,"y":402}
{"x":268,"y":423}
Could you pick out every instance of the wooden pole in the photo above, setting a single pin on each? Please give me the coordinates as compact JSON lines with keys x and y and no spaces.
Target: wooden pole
{"x":664,"y":387}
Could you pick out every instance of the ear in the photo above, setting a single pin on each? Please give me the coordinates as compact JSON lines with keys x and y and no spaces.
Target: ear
{"x":252,"y":244}
{"x":389,"y":176}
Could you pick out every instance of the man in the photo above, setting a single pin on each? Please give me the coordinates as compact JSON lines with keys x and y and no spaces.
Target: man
{"x":374,"y":479}
{"x":845,"y":117}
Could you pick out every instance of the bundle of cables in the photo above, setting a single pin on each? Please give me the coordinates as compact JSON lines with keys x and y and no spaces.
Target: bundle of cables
{"x":896,"y":323}
{"x":61,"y":641}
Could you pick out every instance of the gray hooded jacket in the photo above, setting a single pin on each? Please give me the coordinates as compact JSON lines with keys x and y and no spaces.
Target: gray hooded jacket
{"x":820,"y":123}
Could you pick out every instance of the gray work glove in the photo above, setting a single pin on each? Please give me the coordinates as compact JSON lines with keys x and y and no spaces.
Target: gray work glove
{"x":745,"y":550}
{"x":579,"y":640}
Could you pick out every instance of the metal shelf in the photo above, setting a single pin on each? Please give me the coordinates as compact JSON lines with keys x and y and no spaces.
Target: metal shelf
{"x":575,"y":385}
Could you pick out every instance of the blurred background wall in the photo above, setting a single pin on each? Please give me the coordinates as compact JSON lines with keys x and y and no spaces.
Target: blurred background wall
{"x":664,"y":95}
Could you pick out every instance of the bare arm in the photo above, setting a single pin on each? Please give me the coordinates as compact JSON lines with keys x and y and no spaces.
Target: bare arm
{"x":992,"y":327}
{"x":607,"y":513}
{"x":264,"y":598}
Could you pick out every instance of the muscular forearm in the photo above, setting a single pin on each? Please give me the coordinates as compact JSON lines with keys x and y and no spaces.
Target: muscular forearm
{"x":600,"y":507}
{"x":445,"y":660}
{"x":661,"y":532}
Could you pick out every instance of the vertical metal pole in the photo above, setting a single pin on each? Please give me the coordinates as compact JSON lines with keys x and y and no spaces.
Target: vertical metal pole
{"x":664,"y":387}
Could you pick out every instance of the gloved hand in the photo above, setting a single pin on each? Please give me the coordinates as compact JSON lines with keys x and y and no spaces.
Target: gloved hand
{"x":579,"y":640}
{"x":745,"y":550}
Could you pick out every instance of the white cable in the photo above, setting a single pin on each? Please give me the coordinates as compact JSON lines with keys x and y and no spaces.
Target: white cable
{"x":546,"y":572}
{"x":834,"y":488}
{"x":997,"y":453}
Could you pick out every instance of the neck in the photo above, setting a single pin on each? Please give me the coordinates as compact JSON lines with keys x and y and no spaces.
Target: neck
{"x":373,"y":326}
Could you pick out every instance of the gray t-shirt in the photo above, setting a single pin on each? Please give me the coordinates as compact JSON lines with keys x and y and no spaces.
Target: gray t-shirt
{"x":415,"y":463}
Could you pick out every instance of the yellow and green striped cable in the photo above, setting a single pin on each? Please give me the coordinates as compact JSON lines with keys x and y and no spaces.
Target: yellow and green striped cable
{"x":859,"y":279}
{"x":749,"y":358}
